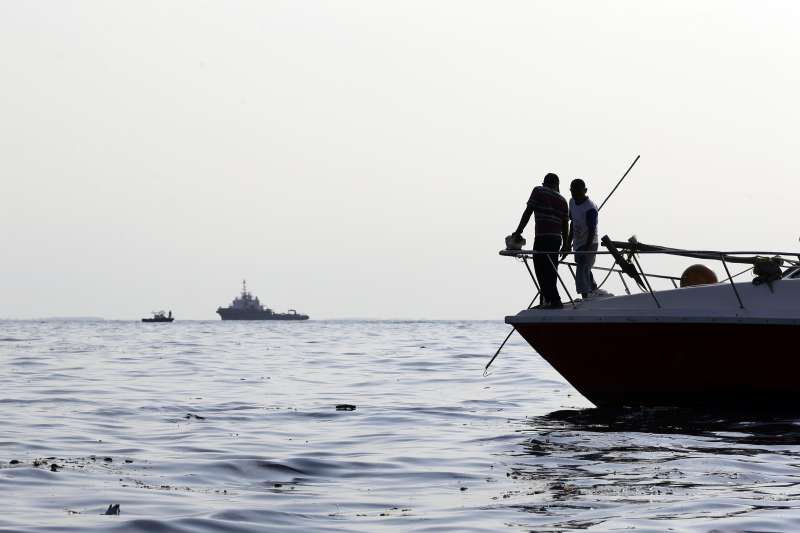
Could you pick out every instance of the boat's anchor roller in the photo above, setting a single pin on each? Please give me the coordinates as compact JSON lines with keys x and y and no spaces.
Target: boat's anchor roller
{"x":767,"y":270}
{"x":625,"y":264}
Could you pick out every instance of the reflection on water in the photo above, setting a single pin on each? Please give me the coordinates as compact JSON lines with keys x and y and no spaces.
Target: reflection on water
{"x":768,"y":428}
{"x":659,"y":469}
{"x":217,"y":426}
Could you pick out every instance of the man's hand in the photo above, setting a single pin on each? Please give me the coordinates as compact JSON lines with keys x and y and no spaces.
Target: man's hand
{"x":515,"y":242}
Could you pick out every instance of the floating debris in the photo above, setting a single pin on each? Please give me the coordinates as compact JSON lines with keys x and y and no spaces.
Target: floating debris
{"x":345,"y":407}
{"x":113,"y":509}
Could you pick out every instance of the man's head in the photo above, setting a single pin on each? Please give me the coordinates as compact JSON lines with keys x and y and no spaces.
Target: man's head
{"x":578,"y":189}
{"x":551,"y":180}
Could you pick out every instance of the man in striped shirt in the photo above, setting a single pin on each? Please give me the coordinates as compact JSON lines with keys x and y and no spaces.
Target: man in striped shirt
{"x":551,"y":219}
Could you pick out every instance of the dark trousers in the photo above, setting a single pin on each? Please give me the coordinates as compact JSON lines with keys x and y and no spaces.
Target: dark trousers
{"x":545,"y":266}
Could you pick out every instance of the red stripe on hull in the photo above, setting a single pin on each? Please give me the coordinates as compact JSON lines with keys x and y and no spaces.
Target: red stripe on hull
{"x":674,"y":364}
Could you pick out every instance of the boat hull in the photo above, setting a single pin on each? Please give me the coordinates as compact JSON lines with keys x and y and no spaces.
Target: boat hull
{"x":696,"y":364}
{"x":247,"y":314}
{"x":149,"y":320}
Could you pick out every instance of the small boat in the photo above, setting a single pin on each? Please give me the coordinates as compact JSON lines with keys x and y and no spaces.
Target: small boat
{"x":726,"y":344}
{"x":159,"y":316}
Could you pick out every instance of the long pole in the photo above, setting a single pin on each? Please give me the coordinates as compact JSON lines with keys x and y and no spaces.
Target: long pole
{"x":618,"y":183}
{"x":513,"y":328}
{"x":604,"y":203}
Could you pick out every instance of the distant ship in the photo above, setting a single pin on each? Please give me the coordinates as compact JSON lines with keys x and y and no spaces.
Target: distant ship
{"x":159,"y":316}
{"x":245,"y":307}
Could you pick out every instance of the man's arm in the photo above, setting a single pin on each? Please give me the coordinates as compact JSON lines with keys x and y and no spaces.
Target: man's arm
{"x":591,"y":223}
{"x":526,"y":216}
{"x":568,"y":241}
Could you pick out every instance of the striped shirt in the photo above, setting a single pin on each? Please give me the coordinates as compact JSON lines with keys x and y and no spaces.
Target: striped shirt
{"x":549,"y":211}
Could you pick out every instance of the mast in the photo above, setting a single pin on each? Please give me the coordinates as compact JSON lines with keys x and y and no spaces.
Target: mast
{"x":244,"y":287}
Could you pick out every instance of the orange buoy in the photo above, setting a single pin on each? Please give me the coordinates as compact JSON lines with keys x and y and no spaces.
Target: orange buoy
{"x":698,"y":275}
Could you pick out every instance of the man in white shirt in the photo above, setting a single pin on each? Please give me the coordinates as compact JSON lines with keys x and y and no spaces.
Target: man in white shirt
{"x":583,"y":235}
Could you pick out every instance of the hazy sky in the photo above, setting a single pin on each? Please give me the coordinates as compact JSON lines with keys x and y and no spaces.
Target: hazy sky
{"x":366,"y":159}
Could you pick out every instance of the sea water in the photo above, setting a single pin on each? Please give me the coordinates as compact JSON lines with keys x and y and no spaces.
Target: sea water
{"x":234,"y":426}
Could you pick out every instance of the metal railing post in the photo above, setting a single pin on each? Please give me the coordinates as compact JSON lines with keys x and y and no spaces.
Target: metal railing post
{"x":533,"y":279}
{"x":555,"y":269}
{"x":730,"y":278}
{"x":647,"y":283}
{"x":574,"y":277}
{"x":624,"y":284}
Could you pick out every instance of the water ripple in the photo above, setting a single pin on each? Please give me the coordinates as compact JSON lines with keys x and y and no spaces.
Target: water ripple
{"x":213,"y":426}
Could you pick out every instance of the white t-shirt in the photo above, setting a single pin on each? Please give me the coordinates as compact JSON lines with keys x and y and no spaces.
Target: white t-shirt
{"x":580,"y":227}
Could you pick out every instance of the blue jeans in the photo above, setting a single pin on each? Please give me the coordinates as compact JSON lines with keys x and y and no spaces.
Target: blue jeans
{"x":584,"y":281}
